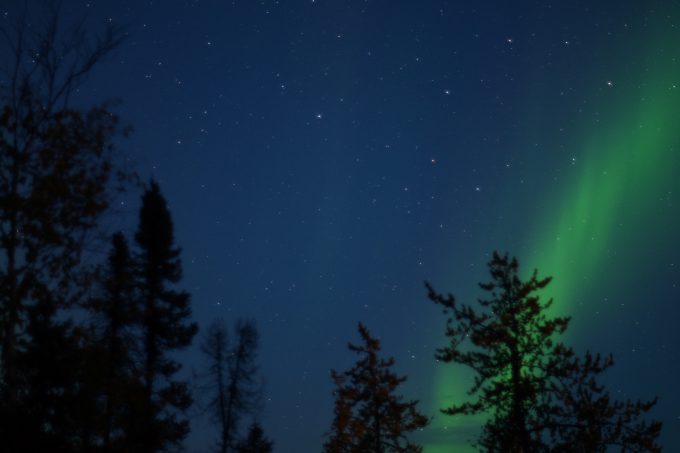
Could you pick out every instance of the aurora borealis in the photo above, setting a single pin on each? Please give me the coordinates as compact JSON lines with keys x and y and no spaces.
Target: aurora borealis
{"x":321,"y":158}
{"x":613,"y":209}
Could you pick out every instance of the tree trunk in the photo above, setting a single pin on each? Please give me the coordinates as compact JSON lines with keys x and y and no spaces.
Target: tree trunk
{"x":518,"y":416}
{"x":12,"y":319}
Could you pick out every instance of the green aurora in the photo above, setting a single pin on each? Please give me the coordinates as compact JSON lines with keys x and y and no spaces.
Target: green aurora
{"x":616,"y":193}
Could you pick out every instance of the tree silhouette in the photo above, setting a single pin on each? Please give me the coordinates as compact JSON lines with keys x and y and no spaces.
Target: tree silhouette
{"x":56,"y":172}
{"x":215,"y":346}
{"x":45,"y":416}
{"x":369,"y":417}
{"x":539,"y":394}
{"x":165,"y":315}
{"x":110,"y":356}
{"x":255,"y":441}
{"x":119,"y":318}
{"x":232,"y":377}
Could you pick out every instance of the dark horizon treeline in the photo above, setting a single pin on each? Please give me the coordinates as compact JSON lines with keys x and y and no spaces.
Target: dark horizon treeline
{"x":538,"y":394}
{"x":107,"y":383}
{"x":88,"y":350}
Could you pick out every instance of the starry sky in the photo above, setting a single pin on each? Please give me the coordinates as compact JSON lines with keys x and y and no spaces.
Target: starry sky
{"x":321,"y":158}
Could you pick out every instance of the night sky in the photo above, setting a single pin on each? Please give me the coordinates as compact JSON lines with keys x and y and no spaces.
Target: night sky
{"x":321,"y":159}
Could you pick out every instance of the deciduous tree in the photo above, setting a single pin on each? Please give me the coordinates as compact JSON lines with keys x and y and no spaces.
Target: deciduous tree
{"x":57,"y":166}
{"x":232,"y":378}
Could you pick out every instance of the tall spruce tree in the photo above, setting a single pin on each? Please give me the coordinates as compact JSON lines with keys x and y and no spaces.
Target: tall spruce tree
{"x":369,"y":416}
{"x":111,"y":357}
{"x":540,"y":396}
{"x":165,"y":324}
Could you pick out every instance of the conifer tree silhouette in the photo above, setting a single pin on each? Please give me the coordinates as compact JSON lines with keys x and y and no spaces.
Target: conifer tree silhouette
{"x":165,"y":324}
{"x":539,"y":394}
{"x":255,"y":441}
{"x":112,"y":353}
{"x":369,"y":415}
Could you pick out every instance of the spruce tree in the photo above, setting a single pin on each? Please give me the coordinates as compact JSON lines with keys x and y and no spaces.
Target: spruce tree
{"x":255,"y":441}
{"x":539,"y":395}
{"x":113,"y":348}
{"x":164,"y":322}
{"x":369,"y":415}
